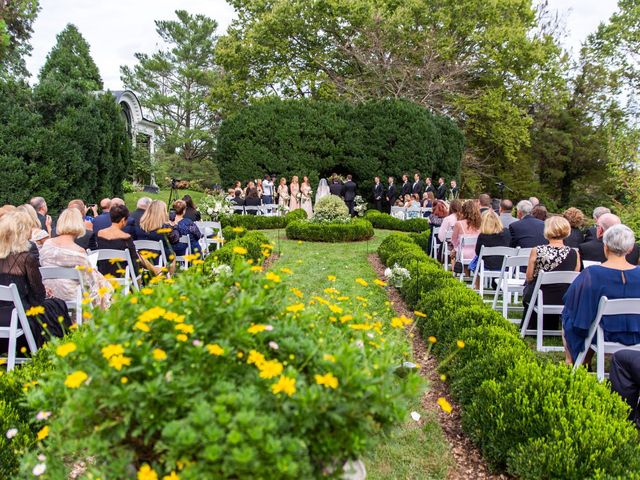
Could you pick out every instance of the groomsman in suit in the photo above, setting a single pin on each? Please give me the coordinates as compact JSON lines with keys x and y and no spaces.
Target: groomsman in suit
{"x":349,"y":193}
{"x":406,"y":186}
{"x":455,"y":191}
{"x":392,"y":193}
{"x":418,"y":186}
{"x":336,"y":186}
{"x":378,"y":193}
{"x":441,"y":191}
{"x":429,"y":186}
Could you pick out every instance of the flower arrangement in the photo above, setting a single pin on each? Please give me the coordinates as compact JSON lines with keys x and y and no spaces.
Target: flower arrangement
{"x":221,"y":269}
{"x":360,"y":205}
{"x":397,"y":275}
{"x":214,"y":206}
{"x":283,"y":209}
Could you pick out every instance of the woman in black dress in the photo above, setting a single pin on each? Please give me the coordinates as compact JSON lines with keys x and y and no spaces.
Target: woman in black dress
{"x":18,"y":265}
{"x":191,"y":212}
{"x":252,"y":200}
{"x":114,"y":238}
{"x":575,"y":217}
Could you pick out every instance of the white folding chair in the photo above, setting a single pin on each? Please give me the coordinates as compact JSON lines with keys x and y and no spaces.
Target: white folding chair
{"x":129,"y":279}
{"x":484,"y":275}
{"x":590,"y":263}
{"x":606,"y":307}
{"x":446,"y":253}
{"x":511,"y":282}
{"x":399,"y":212}
{"x":538,"y":307}
{"x":252,"y":209}
{"x":182,"y":260}
{"x":425,"y":211}
{"x":154,"y":246}
{"x":435,"y":245}
{"x":67,"y":273}
{"x":269,"y":210}
{"x":13,"y":332}
{"x":412,"y":213}
{"x":238,"y":209}
{"x":211,"y":234}
{"x":465,"y":241}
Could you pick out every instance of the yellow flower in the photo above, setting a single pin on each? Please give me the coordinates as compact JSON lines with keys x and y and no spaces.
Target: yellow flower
{"x":380,"y":282}
{"x":399,"y":322}
{"x":362,"y":282}
{"x":362,"y":299}
{"x":256,"y":268}
{"x":297,"y":292}
{"x":361,"y":326}
{"x":419,"y":314}
{"x":152,"y":314}
{"x":184,"y":327}
{"x":256,"y":328}
{"x":172,"y":476}
{"x":273,"y":277}
{"x":270,"y":369}
{"x":33,"y":311}
{"x":146,"y":291}
{"x":256,"y":358}
{"x":237,"y":229}
{"x":103,"y":291}
{"x":432,"y":339}
{"x":266,"y":253}
{"x":112,"y":350}
{"x":443,"y":377}
{"x":331,"y":291}
{"x":298,"y":307}
{"x":284,"y":384}
{"x":343,"y":298}
{"x":159,"y":354}
{"x":445,"y":405}
{"x":331,"y":278}
{"x":142,"y":326}
{"x":133,"y":300}
{"x":238,"y":250}
{"x":147,"y":473}
{"x":65,"y":349}
{"x":81,"y":268}
{"x":286,"y":270}
{"x":335,"y":309}
{"x":215,"y":349}
{"x":119,"y":361}
{"x":460,"y":343}
{"x":86,"y":315}
{"x":329,"y":358}
{"x":181,"y":337}
{"x":328,"y":380}
{"x":266,"y":246}
{"x":124,"y":380}
{"x":75,"y":379}
{"x":346,"y":318}
{"x":43,"y":433}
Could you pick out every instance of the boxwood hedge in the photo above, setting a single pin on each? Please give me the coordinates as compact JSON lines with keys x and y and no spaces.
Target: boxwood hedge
{"x":387,"y":222}
{"x":355,"y":230}
{"x":259,"y":222}
{"x":530,"y":417}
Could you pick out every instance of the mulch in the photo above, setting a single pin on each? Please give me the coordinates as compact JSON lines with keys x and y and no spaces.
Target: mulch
{"x":467,"y":457}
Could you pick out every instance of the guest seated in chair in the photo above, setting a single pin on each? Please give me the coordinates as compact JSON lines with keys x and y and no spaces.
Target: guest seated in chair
{"x":468,"y":225}
{"x":625,"y":380}
{"x":115,"y":238}
{"x":185,"y":227}
{"x":154,"y":225}
{"x":252,"y":200}
{"x":492,"y":234}
{"x":615,"y":278}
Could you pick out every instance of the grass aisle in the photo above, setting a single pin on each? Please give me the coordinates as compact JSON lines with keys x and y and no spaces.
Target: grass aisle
{"x":411,"y":451}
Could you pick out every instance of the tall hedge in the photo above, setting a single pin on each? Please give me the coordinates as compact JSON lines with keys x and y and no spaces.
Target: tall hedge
{"x":317,"y":138}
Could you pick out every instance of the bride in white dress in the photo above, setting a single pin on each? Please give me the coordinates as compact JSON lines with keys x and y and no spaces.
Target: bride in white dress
{"x":323,"y":189}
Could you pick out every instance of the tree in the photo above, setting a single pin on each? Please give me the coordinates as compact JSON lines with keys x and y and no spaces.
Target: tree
{"x":174,"y":82}
{"x":69,"y":62}
{"x":16,"y":27}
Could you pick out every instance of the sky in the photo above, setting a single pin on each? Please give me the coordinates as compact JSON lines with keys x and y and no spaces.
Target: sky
{"x":116,"y":29}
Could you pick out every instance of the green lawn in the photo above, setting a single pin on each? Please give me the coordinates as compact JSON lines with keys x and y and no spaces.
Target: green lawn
{"x":132,"y":198}
{"x":410,"y":451}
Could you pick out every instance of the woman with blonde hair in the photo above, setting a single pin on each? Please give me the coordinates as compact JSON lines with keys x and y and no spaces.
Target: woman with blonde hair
{"x":294,"y":189}
{"x":283,"y":193}
{"x":38,"y":235}
{"x":62,"y":251}
{"x":492,"y":234}
{"x":154,"y":225}
{"x":19,"y":266}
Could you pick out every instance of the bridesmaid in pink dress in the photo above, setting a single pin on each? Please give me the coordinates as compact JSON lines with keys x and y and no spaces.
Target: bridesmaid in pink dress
{"x":305,"y":200}
{"x":294,"y":190}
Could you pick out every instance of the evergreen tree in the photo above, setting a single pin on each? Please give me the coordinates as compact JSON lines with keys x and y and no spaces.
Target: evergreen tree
{"x":16,"y":27}
{"x":69,"y":62}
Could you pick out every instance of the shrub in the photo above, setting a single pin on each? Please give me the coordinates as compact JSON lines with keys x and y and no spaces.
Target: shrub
{"x":296,"y":214}
{"x":354,"y":230}
{"x":259,"y":222}
{"x":408,"y":256}
{"x":256,"y":244}
{"x":387,"y":222}
{"x":392,"y":244}
{"x":422,"y":239}
{"x":331,"y":209}
{"x":175,"y":379}
{"x":231,"y":233}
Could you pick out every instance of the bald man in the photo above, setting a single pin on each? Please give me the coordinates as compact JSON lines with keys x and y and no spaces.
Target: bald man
{"x":593,"y":250}
{"x":103,"y":220}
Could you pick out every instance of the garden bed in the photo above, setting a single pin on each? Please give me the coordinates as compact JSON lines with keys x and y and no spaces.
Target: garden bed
{"x":351,"y":231}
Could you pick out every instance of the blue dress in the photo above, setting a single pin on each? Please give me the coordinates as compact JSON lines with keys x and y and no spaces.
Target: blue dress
{"x":581,"y":306}
{"x":187,"y":227}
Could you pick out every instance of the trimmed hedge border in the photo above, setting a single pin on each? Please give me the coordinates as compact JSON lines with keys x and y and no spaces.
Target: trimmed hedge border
{"x":259,"y":222}
{"x":530,"y":417}
{"x":387,"y":222}
{"x":353,"y":231}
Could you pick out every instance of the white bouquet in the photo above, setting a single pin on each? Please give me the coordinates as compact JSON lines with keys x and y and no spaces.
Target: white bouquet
{"x":397,"y":275}
{"x":283,"y":209}
{"x":222,"y":270}
{"x":360,"y":205}
{"x":212,"y":207}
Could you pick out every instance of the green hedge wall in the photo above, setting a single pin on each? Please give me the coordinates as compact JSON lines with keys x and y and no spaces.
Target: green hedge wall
{"x":530,"y":417}
{"x":353,"y":231}
{"x":316,"y":138}
{"x":259,"y":222}
{"x":387,"y":222}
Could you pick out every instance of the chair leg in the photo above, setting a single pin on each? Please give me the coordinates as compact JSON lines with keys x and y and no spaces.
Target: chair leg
{"x":539,"y":331}
{"x":13,"y":333}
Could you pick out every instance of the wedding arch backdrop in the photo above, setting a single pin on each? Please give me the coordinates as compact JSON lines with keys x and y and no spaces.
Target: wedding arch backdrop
{"x":318,"y":138}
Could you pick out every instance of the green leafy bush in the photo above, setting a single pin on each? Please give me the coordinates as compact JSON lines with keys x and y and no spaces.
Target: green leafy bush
{"x":259,"y":222}
{"x":392,"y":244}
{"x":387,"y":222}
{"x":252,"y":246}
{"x":227,"y":376}
{"x":330,"y":209}
{"x":352,"y":231}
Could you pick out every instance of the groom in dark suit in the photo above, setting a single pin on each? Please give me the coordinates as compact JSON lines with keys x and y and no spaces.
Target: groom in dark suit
{"x":336,"y":186}
{"x":349,"y":192}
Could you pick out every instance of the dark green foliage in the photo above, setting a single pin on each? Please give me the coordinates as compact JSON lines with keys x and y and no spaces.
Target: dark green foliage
{"x":258,"y":222}
{"x":391,"y":245}
{"x":253,"y":242}
{"x":317,"y":138}
{"x":16,"y":27}
{"x":387,"y":222}
{"x":355,"y":230}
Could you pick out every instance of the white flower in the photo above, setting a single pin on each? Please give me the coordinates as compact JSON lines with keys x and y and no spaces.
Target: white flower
{"x":39,"y":469}
{"x":359,"y":344}
{"x":209,"y":210}
{"x":416,"y":416}
{"x":42,"y":415}
{"x":268,"y":328}
{"x":273,"y":345}
{"x":12,"y":432}
{"x":42,"y":458}
{"x":197,"y":343}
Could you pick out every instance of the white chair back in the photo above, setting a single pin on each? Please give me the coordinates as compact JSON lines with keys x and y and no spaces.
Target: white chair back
{"x":238,"y":209}
{"x":606,"y":307}
{"x":67,"y":273}
{"x":511,"y":281}
{"x":250,"y":208}
{"x":211,"y":235}
{"x":270,"y":210}
{"x":481,"y":273}
{"x":399,"y":212}
{"x":590,"y":263}
{"x":153,"y":246}
{"x":465,"y":241}
{"x":412,"y":212}
{"x":129,"y":280}
{"x":182,"y":260}
{"x":18,"y":326}
{"x":435,"y":244}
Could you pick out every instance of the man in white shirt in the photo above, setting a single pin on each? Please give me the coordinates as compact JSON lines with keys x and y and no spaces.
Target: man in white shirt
{"x":267,"y":190}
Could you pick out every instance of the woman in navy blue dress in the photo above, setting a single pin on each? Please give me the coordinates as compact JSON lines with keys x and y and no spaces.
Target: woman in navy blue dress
{"x":185,"y":226}
{"x":615,"y":278}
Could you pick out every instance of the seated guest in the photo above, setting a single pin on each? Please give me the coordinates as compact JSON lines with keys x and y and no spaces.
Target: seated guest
{"x":87,"y":240}
{"x":399,"y":203}
{"x":238,"y":201}
{"x":437,"y":216}
{"x":115,"y":238}
{"x":554,"y":257}
{"x":7,"y":209}
{"x":540,"y":212}
{"x":154,"y":225}
{"x":408,"y":200}
{"x":534,"y":201}
{"x":594,"y":249}
{"x":506,"y":216}
{"x":185,"y":227}
{"x":191,"y":212}
{"x":62,"y":251}
{"x":450,"y":220}
{"x":38,"y":235}
{"x":40,"y":206}
{"x":485,"y":202}
{"x":527,"y":231}
{"x":104,"y":219}
{"x":575,"y":217}
{"x":230,"y":195}
{"x":252,"y":200}
{"x":20,"y":267}
{"x":492,"y":234}
{"x":625,"y":379}
{"x":427,"y":199}
{"x":615,"y":278}
{"x":591,"y":233}
{"x":469,"y":224}
{"x":135,"y":216}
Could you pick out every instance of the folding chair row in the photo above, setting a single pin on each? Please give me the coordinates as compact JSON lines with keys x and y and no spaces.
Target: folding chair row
{"x":211,"y":235}
{"x":465,"y":241}
{"x":68,"y":273}
{"x":129,"y":279}
{"x":18,"y":326}
{"x":482,"y":274}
